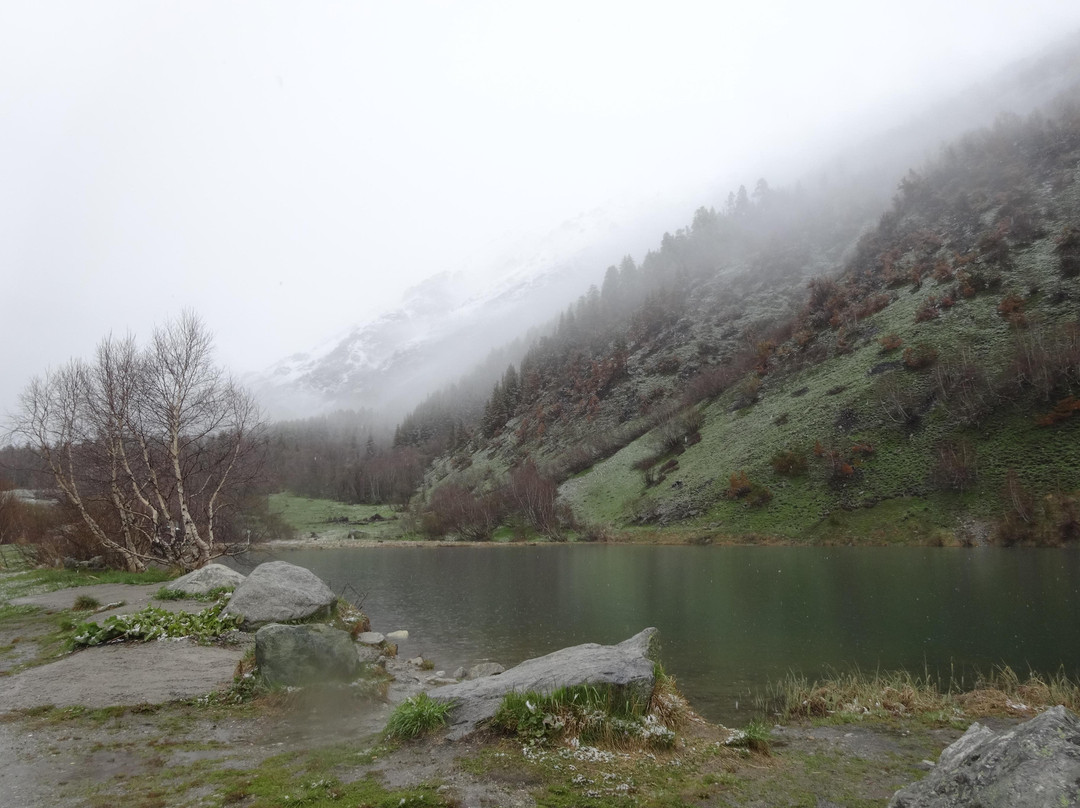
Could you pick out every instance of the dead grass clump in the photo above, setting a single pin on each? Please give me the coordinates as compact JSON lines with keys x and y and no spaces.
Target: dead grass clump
{"x":900,"y":694}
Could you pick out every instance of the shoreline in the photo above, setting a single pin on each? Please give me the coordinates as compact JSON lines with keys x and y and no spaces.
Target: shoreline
{"x":339,"y":544}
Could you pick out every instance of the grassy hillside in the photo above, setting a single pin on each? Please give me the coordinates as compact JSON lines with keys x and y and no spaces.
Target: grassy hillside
{"x":922,"y":390}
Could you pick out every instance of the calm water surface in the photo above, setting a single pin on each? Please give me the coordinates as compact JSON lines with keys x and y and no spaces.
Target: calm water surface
{"x":730,"y":618}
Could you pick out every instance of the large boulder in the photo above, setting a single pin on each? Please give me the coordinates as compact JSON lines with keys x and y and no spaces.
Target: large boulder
{"x":627,"y":666}
{"x":1033,"y":765}
{"x":279,"y":592}
{"x":305,"y":654}
{"x":206,"y":579}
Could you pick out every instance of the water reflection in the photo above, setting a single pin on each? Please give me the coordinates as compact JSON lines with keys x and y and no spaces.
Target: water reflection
{"x":730,"y":618}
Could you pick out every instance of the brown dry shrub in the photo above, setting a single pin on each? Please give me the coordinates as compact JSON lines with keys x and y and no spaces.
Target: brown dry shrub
{"x":919,"y":356}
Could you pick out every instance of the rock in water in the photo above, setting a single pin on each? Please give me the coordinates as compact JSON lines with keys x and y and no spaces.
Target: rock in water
{"x":201,"y":581}
{"x":626,"y":666}
{"x":279,"y":592}
{"x":1033,"y":765}
{"x":305,"y":654}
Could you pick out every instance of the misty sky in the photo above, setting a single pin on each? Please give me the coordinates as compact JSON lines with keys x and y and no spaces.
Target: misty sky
{"x":288,"y":169}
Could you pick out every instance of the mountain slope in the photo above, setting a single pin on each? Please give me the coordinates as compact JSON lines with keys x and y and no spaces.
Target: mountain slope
{"x":451,"y":321}
{"x":922,"y":393}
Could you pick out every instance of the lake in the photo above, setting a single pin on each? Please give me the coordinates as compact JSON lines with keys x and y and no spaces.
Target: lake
{"x":731,"y":618}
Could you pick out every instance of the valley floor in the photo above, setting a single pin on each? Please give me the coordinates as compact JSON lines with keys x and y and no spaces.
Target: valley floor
{"x":96,"y":728}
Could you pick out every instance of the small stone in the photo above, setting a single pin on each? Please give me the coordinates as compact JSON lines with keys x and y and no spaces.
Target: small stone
{"x":459,"y":673}
{"x":484,"y":669}
{"x":400,"y":634}
{"x":418,"y":661}
{"x":370,"y":638}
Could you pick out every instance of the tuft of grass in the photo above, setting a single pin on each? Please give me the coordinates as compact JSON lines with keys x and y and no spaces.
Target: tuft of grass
{"x":899,"y":694}
{"x":853,"y":695}
{"x":756,"y":736}
{"x":172,"y":594}
{"x":86,"y":603}
{"x":596,"y":715}
{"x":417,"y":716}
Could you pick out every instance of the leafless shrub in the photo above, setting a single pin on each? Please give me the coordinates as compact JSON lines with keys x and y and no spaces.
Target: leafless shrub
{"x":956,"y":467}
{"x":962,"y":383}
{"x":454,"y":509}
{"x":533,"y":496}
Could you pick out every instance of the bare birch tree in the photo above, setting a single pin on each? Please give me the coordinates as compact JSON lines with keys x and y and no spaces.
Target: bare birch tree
{"x":151,"y":447}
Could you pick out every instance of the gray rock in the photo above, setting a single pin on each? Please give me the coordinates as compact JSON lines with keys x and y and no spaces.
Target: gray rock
{"x":370,"y":638}
{"x":459,"y":673}
{"x":626,"y":665}
{"x":201,"y":581}
{"x":484,"y":669}
{"x":1033,"y":765}
{"x":279,"y":592}
{"x":305,"y":654}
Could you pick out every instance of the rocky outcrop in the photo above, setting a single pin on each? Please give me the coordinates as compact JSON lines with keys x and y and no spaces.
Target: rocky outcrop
{"x":1034,"y":765}
{"x":206,"y":579}
{"x":279,"y":592}
{"x":626,"y":665}
{"x":305,"y":654}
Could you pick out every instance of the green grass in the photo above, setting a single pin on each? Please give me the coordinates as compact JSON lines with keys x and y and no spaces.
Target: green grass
{"x":173,"y":594}
{"x":36,"y":581}
{"x":331,"y":520}
{"x":598,"y":715}
{"x":416,"y":716}
{"x":311,"y":779}
{"x":85,"y":603}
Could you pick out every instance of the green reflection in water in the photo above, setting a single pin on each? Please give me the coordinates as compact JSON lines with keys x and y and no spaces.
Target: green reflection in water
{"x":731,"y":618}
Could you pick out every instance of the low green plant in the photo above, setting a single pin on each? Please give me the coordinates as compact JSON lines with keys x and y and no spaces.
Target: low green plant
{"x":86,"y":603}
{"x":756,"y":736}
{"x":35,"y":581}
{"x":154,"y":623}
{"x":174,"y":594}
{"x":592,"y":714}
{"x":417,"y":716}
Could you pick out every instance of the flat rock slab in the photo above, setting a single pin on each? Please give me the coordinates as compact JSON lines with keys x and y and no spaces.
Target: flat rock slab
{"x":123,"y":674}
{"x":626,"y":665}
{"x":1034,"y":765}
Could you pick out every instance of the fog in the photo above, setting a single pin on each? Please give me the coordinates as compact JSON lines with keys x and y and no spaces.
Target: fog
{"x":289,"y":170}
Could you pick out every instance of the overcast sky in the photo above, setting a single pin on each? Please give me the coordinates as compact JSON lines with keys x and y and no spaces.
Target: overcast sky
{"x":287,"y":169}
